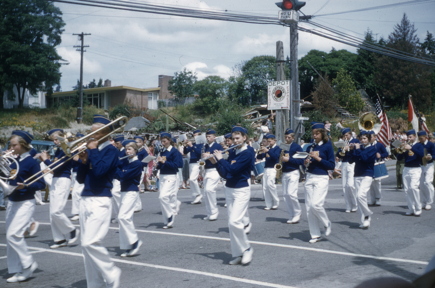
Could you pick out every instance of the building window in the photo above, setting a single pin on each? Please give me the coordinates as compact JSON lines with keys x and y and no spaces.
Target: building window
{"x":95,"y":99}
{"x":152,"y":100}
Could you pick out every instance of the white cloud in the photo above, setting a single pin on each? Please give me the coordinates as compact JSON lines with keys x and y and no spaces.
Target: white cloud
{"x":202,"y":70}
{"x":73,"y":58}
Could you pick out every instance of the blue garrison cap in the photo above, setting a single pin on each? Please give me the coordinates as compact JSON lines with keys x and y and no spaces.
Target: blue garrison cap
{"x":239,"y":129}
{"x":210,"y":131}
{"x":125,"y":142}
{"x":197,"y":131}
{"x":317,"y":125}
{"x":289,"y":131}
{"x":410,"y":132}
{"x":269,"y":136}
{"x":54,"y":130}
{"x":79,"y":135}
{"x":165,"y":134}
{"x":101,"y":119}
{"x":23,"y":134}
{"x":422,"y":133}
{"x":228,"y":135}
{"x":118,"y":138}
{"x":139,"y":137}
{"x":345,"y":130}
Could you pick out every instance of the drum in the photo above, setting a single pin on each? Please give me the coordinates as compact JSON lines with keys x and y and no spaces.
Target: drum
{"x":381,"y":171}
{"x":259,"y":169}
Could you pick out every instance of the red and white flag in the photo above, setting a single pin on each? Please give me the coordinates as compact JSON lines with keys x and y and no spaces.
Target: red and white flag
{"x":384,"y":135}
{"x":412,"y":117}
{"x":423,"y":126}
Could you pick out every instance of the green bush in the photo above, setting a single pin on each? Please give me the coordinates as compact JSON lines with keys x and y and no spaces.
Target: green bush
{"x":228,"y":116}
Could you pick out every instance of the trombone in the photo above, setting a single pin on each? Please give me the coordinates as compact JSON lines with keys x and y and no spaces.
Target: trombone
{"x":71,"y":151}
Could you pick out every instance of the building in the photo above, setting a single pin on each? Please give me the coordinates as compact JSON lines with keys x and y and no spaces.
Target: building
{"x":10,"y":100}
{"x":110,"y":96}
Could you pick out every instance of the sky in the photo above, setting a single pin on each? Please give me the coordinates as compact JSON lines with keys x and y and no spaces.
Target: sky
{"x":132,"y":48}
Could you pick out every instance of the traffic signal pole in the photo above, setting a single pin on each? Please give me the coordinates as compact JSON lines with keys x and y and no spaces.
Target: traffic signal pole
{"x":282,"y":115}
{"x":295,"y":107}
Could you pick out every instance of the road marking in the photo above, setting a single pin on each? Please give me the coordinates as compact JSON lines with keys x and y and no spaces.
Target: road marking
{"x":277,"y":245}
{"x":220,"y":276}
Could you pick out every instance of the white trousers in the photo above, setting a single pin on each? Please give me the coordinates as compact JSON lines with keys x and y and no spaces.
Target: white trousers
{"x":127,"y":232}
{"x":18,"y":215}
{"x":411,"y":181}
{"x":95,"y":215}
{"x":168,"y":194}
{"x":375,"y":191}
{"x":347,"y":179}
{"x":76,"y":193}
{"x":193,"y":179}
{"x":316,"y":188}
{"x":362,"y":185}
{"x":60,"y":223}
{"x":211,"y":181}
{"x":426,"y":183}
{"x":290,"y":182}
{"x":269,"y":188}
{"x":237,"y":204}
{"x":116,"y":196}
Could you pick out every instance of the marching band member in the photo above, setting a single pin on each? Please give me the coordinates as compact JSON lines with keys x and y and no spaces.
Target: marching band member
{"x":59,"y":191}
{"x":426,"y":181}
{"x":237,"y":172}
{"x":130,"y":176}
{"x":211,"y":177}
{"x":320,"y":160}
{"x":141,"y":154}
{"x":97,"y":170}
{"x":412,"y":173}
{"x":20,"y":208}
{"x":116,"y":190}
{"x":77,"y":189}
{"x":271,"y":153}
{"x":195,"y":155}
{"x":168,"y":162}
{"x":228,"y":140}
{"x":347,"y":171}
{"x":375,"y":190}
{"x":363,"y":156}
{"x":290,"y":177}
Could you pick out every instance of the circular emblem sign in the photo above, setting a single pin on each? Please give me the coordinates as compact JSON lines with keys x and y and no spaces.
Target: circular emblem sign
{"x":278,"y":93}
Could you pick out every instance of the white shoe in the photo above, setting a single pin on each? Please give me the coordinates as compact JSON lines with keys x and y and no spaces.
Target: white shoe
{"x":266,"y":208}
{"x":135,"y":248}
{"x":177,"y":207}
{"x":417,"y":213}
{"x":347,"y":211}
{"x":211,"y":217}
{"x":236,"y":261}
{"x":328,"y":229}
{"x":114,"y":220}
{"x":247,"y":228}
{"x":28,"y":272}
{"x":354,"y":209}
{"x":315,"y":240}
{"x":75,"y":218}
{"x":117,"y":282}
{"x":294,"y":220}
{"x":427,"y":207}
{"x":14,"y":279}
{"x":197,"y":200}
{"x":74,"y":236}
{"x":378,"y":202}
{"x":247,"y":256}
{"x":170,"y":223}
{"x":59,"y":244}
{"x":366,"y":223}
{"x":274,"y":207}
{"x":32,"y":231}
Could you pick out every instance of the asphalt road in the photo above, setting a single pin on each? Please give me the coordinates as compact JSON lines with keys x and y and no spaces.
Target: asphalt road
{"x":195,"y":253}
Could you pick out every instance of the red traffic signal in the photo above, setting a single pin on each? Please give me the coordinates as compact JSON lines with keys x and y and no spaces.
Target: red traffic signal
{"x":290,"y":4}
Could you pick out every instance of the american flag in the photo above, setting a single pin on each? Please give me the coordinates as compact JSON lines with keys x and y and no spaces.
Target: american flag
{"x":423,"y":126}
{"x":384,"y":135}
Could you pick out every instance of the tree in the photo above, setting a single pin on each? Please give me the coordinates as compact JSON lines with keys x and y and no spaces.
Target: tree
{"x":324,"y":98}
{"x":181,"y":86}
{"x":29,"y":32}
{"x":251,"y":86}
{"x":364,"y":68}
{"x":396,"y":78}
{"x":325,"y":64}
{"x":210,"y":91}
{"x":428,"y":45}
{"x":346,"y":93}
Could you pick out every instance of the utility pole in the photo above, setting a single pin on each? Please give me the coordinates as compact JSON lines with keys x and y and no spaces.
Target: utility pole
{"x":282,"y":115}
{"x":80,"y":48}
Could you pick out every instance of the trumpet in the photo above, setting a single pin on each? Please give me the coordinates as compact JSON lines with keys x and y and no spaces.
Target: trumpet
{"x":125,"y":157}
{"x":201,"y":162}
{"x":401,"y":149}
{"x":72,"y":150}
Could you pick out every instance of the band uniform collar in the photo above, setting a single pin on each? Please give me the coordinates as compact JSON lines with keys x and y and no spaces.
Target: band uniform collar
{"x":241,"y":149}
{"x":169,"y":148}
{"x":132,"y":159}
{"x":103,"y":145}
{"x":24,"y":155}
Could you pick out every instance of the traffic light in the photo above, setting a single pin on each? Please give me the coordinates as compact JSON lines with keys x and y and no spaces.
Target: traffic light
{"x":290,"y":4}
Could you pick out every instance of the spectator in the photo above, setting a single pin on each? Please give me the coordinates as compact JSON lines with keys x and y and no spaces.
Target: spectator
{"x":340,"y":125}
